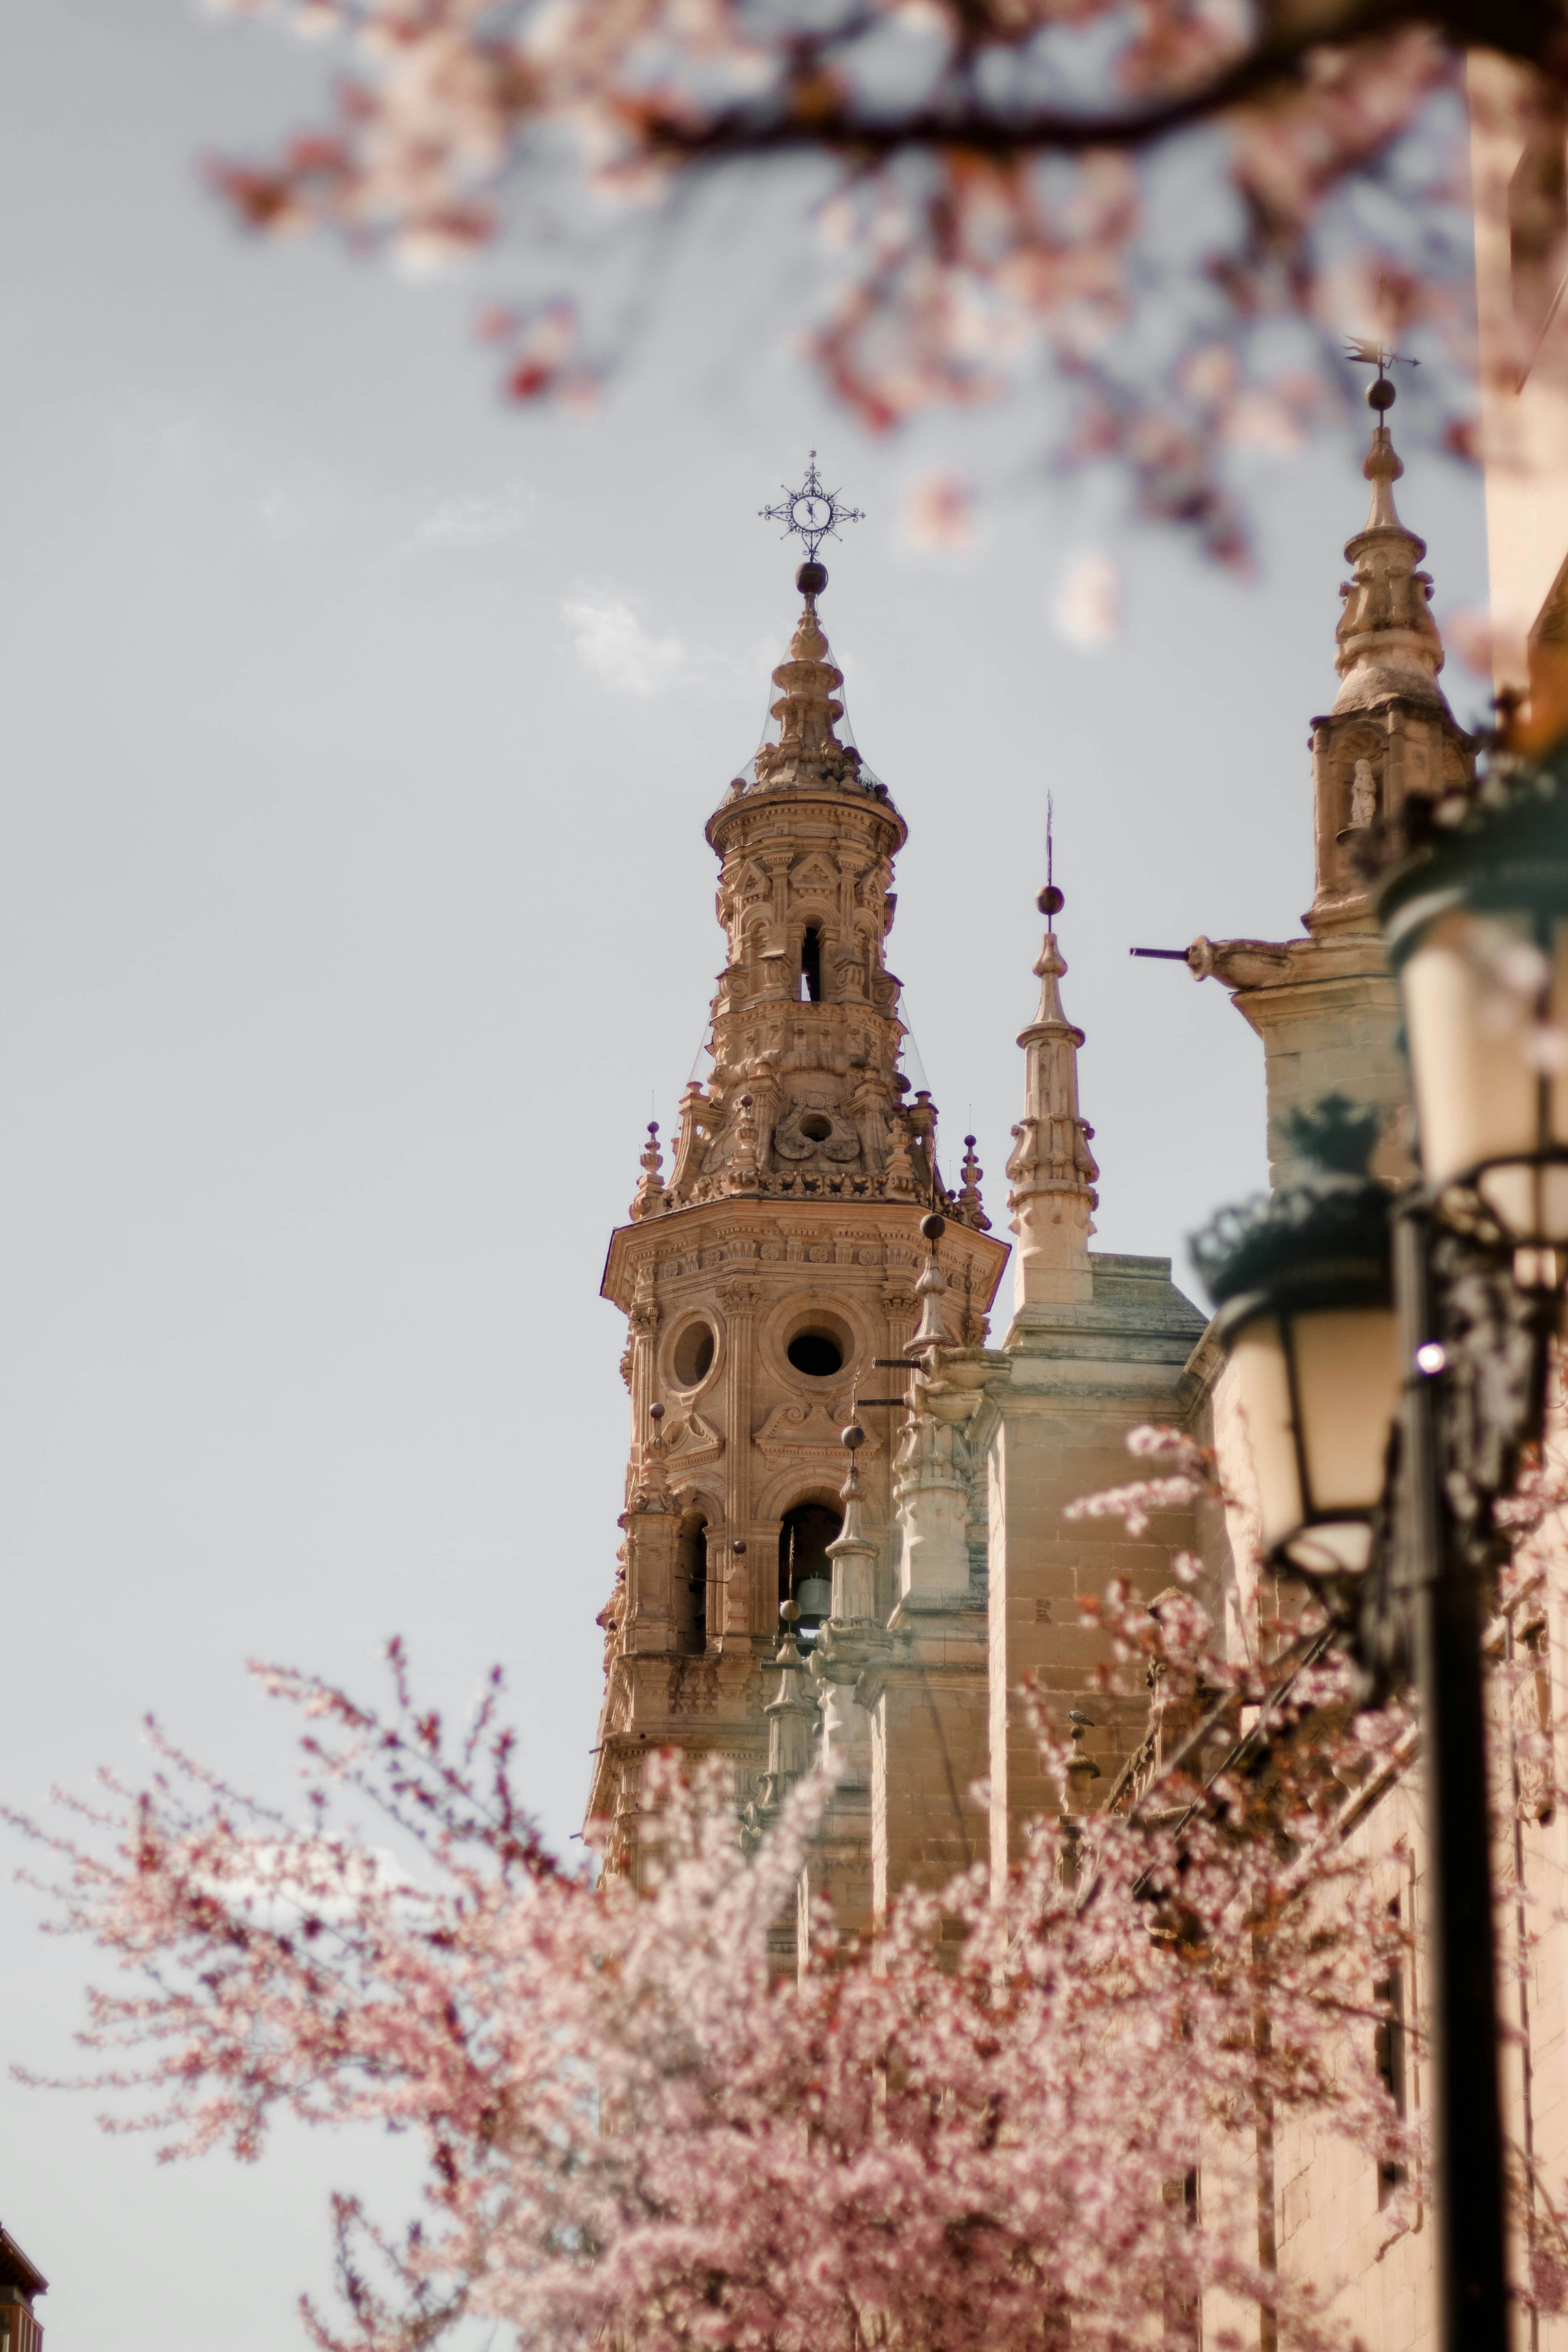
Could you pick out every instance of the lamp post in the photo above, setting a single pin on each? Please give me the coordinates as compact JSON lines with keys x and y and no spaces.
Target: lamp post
{"x":1392,"y":1359}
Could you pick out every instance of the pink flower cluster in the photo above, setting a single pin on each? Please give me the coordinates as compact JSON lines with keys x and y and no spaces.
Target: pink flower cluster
{"x":975,"y":2135}
{"x":987,"y":212}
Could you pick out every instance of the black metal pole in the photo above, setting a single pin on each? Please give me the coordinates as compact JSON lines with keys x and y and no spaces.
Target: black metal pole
{"x":1460,"y":1941}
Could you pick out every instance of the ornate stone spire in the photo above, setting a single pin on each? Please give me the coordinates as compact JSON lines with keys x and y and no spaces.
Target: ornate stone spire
{"x":852,"y":1551}
{"x":1388,"y":642}
{"x":1051,"y":1167}
{"x":807,"y":751}
{"x":791,"y":1717}
{"x":1390,"y":736}
{"x":806,"y":1098}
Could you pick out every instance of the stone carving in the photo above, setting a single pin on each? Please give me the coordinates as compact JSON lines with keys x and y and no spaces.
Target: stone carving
{"x":1240,"y":963}
{"x":796,"y":1429}
{"x":809,"y":1133}
{"x":690,"y":1442}
{"x":1364,"y":796}
{"x":693,"y":1686}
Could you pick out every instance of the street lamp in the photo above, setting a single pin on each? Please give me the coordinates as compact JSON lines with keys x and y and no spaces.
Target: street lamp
{"x":1477,"y":926}
{"x":1438,"y":1365}
{"x":1305,"y":1294}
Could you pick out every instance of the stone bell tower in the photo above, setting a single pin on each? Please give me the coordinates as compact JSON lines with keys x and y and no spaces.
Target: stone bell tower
{"x":1326,"y":1007}
{"x":774,"y":1265}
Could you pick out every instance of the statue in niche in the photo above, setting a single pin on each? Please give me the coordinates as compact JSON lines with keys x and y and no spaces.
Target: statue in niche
{"x":1364,"y":796}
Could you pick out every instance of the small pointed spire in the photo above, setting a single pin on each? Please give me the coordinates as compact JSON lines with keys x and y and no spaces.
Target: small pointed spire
{"x":969,"y":1206}
{"x":852,"y":1552}
{"x":931,"y":1331}
{"x":790,"y":1714}
{"x":1388,"y":642}
{"x":650,"y":1191}
{"x":1051,"y":1167}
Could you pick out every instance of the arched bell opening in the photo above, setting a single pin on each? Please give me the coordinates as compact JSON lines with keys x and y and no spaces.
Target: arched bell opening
{"x":690,"y":1596}
{"x":811,"y":965}
{"x":806,"y":1572}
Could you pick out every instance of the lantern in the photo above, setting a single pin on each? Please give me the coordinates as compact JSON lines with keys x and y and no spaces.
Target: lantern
{"x":1304,"y":1287}
{"x":1476,"y":925}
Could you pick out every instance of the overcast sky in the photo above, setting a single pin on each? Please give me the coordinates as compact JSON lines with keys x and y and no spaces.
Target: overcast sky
{"x":358,"y":739}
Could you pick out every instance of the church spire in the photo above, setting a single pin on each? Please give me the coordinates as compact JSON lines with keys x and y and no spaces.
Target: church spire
{"x":1051,"y":1169}
{"x":1391,"y":737}
{"x":1388,"y":642}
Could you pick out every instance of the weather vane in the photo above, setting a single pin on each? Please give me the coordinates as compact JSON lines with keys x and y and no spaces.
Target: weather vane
{"x":812,"y":513}
{"x":1360,"y":353}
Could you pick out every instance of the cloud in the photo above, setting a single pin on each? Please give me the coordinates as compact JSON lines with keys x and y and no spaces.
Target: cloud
{"x":473,"y":520}
{"x":1088,"y":608}
{"x":622,"y":654}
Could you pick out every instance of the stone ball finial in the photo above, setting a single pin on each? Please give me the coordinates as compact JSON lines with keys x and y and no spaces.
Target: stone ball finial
{"x":1381,"y":395}
{"x":656,"y":1414}
{"x":1050,"y":900}
{"x":812,"y":578}
{"x":933,"y":1227}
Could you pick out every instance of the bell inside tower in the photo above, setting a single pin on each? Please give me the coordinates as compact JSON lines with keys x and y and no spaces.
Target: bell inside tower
{"x":806,"y":1572}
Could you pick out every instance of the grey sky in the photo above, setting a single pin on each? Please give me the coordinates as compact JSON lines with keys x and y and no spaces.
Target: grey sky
{"x":359,"y":736}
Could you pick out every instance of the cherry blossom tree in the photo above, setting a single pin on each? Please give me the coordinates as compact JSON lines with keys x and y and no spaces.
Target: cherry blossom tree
{"x":1171,"y":211}
{"x":633,"y":2129}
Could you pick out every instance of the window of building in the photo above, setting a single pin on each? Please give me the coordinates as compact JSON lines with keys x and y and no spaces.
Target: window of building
{"x":816,"y":1352}
{"x":692,"y":1357}
{"x":811,"y":965}
{"x":806,"y":1572}
{"x":691,"y":1595}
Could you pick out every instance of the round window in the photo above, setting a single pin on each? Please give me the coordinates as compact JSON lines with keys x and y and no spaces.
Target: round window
{"x":816,"y":1353}
{"x":815,"y":1128}
{"x":691,"y":1359}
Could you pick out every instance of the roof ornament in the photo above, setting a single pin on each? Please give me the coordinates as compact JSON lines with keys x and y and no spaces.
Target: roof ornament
{"x":811,"y":514}
{"x":1388,"y":644}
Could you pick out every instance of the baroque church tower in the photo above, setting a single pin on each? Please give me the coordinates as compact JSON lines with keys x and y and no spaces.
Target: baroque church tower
{"x":769,"y":1278}
{"x":1327,"y":1007}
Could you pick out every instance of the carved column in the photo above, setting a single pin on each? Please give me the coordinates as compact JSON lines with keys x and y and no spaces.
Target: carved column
{"x":734,"y":1611}
{"x":642,"y":1321}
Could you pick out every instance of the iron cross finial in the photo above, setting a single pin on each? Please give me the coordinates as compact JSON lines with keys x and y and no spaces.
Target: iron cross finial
{"x":811,"y":513}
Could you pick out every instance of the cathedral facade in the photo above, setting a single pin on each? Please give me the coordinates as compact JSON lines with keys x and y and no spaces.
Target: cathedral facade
{"x":856,"y":1426}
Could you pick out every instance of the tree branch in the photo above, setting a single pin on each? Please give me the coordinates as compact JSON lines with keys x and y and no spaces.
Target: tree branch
{"x":1533,"y":32}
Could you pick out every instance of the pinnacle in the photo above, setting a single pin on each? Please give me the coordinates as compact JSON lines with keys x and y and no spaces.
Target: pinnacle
{"x":1387,"y":640}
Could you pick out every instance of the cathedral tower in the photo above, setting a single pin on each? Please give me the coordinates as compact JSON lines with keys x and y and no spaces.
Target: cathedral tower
{"x":1326,"y":1007}
{"x":775,"y":1263}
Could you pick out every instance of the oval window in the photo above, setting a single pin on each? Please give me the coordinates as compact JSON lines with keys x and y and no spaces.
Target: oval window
{"x":692,"y":1357}
{"x":816,"y":1353}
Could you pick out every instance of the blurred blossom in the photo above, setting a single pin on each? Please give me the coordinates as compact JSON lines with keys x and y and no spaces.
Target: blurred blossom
{"x":1258,"y":421}
{"x":1468,"y":633}
{"x":1088,"y":608}
{"x":938,"y":510}
{"x":1546,"y":1050}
